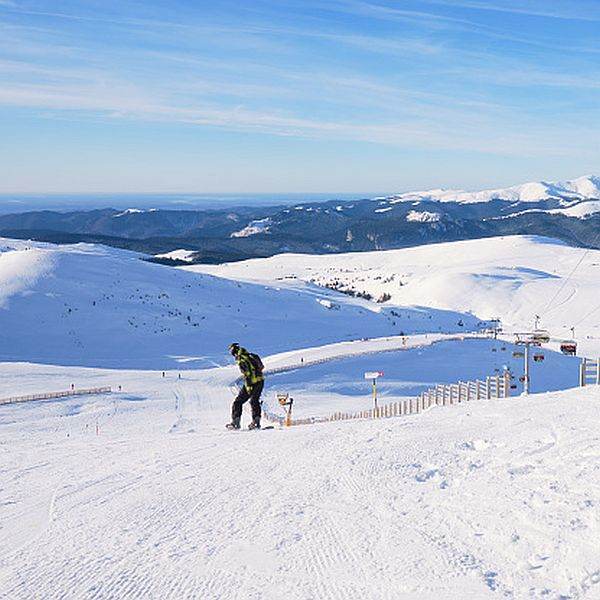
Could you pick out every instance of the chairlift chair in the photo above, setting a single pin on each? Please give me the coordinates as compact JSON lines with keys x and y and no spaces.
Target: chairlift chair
{"x":569,"y":347}
{"x":541,"y":336}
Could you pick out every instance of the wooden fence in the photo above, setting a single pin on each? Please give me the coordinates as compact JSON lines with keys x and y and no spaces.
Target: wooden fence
{"x":51,"y":395}
{"x":497,"y":386}
{"x":589,"y":372}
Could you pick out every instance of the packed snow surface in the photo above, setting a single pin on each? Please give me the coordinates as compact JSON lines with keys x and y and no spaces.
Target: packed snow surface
{"x":471,"y":501}
{"x":142,"y":493}
{"x":513,"y":278}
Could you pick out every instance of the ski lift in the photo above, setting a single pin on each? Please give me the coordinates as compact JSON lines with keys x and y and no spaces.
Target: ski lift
{"x":538,"y":357}
{"x":540,"y":336}
{"x":518,"y":354}
{"x":522,"y":338}
{"x":569,"y":347}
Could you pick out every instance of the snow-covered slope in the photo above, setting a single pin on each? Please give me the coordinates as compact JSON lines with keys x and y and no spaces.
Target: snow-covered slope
{"x":514,"y":278}
{"x":471,"y":501}
{"x":95,"y":306}
{"x":143,"y":494}
{"x":581,"y":188}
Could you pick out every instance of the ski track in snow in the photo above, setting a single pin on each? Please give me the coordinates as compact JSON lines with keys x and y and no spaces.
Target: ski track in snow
{"x":479,"y":500}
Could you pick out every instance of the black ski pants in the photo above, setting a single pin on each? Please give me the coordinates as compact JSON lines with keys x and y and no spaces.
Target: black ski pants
{"x":253,"y":395}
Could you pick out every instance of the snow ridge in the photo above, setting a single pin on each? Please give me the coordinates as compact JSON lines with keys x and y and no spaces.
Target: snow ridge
{"x":582,"y":188}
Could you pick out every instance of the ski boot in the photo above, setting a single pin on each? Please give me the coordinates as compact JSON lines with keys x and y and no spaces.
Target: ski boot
{"x":255,"y":424}
{"x":235,"y":424}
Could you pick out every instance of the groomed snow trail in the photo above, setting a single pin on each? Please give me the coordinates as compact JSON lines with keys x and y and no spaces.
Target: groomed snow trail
{"x":479,"y":500}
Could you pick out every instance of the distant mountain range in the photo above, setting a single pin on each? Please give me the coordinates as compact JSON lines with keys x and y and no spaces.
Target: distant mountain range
{"x":568,"y":210}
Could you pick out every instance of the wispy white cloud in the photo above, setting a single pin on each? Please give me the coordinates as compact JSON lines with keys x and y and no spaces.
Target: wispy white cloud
{"x":278,"y":79}
{"x":579,"y":10}
{"x":436,"y":21}
{"x":383,"y":11}
{"x":123,"y":101}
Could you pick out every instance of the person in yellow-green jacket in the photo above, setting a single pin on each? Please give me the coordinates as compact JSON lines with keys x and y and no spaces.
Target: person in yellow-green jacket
{"x":252,"y":369}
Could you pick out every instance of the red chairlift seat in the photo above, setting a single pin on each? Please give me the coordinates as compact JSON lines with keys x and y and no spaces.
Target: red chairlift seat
{"x":569,"y":348}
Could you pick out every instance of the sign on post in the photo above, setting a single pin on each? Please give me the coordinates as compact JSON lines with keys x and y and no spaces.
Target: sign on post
{"x":373,"y":376}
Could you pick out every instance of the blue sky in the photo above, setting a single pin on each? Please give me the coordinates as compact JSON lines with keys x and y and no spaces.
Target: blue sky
{"x":296,"y":96}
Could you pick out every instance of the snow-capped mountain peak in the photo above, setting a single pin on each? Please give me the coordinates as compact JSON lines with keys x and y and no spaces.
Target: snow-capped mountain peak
{"x":582,"y":188}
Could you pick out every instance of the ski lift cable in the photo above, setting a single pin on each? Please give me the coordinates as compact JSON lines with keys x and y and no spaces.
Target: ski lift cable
{"x":589,"y":314}
{"x":564,"y":283}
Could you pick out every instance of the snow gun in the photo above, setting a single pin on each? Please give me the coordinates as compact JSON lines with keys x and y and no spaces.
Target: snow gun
{"x":286,"y":402}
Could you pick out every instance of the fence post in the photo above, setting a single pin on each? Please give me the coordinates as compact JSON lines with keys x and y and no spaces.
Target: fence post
{"x":507,"y":384}
{"x":488,"y":388}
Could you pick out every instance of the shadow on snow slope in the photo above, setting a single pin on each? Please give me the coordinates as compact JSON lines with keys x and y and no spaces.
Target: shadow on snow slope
{"x":91,"y":306}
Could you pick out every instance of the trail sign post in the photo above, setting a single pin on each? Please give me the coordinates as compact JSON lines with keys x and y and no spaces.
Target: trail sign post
{"x":374,"y":376}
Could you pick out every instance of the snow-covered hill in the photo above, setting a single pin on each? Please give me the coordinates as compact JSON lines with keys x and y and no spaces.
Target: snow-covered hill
{"x":513,"y":278}
{"x":142,"y":493}
{"x":96,"y":306}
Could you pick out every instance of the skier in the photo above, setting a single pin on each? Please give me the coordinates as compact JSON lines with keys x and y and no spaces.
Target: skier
{"x":251,"y":367}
